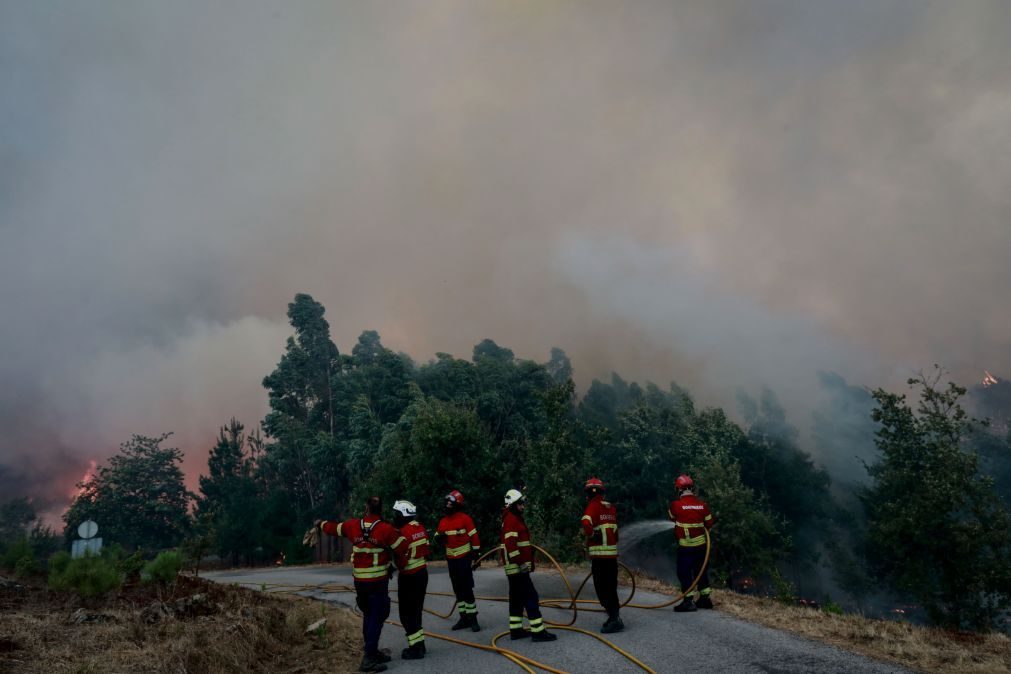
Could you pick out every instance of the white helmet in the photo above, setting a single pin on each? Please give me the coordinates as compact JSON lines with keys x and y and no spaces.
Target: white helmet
{"x":513,"y":496}
{"x":405,"y":508}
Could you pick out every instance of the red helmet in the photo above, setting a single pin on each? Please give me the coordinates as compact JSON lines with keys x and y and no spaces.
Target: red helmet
{"x":594,"y":483}
{"x":454,"y":497}
{"x":683,"y":482}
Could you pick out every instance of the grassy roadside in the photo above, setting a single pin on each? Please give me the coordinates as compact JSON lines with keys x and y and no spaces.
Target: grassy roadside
{"x":918,"y":648}
{"x":207,"y":628}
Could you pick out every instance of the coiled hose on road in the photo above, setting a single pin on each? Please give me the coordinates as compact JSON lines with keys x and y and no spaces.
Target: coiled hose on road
{"x":573,"y":602}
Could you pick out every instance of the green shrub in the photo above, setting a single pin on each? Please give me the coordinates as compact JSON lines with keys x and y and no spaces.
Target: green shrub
{"x":832,"y":607}
{"x":59,"y":562}
{"x":17,"y":550}
{"x":784,"y":590}
{"x":132,"y":565}
{"x":89,"y":576}
{"x":163,"y":569}
{"x":26,"y":566}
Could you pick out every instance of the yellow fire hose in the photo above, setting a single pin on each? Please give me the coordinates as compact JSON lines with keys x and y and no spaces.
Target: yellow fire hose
{"x":560,"y":603}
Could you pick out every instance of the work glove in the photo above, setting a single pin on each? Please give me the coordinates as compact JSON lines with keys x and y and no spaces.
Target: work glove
{"x":475,"y":561}
{"x":311,"y":537}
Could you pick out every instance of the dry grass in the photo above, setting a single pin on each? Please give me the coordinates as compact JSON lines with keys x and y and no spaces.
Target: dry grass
{"x":919,"y":648}
{"x":245,"y":631}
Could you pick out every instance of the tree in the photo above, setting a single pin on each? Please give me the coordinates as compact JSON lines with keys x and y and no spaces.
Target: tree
{"x":139,"y":499}
{"x":552,"y":473}
{"x":937,"y":529}
{"x":229,"y":506}
{"x":435,"y":447}
{"x":16,"y":519}
{"x":304,"y":405}
{"x":749,"y":538}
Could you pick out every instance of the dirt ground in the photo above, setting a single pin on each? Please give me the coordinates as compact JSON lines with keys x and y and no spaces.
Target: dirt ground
{"x":196,"y":627}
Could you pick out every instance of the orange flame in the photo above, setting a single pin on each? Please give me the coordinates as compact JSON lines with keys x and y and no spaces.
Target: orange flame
{"x":88,"y":476}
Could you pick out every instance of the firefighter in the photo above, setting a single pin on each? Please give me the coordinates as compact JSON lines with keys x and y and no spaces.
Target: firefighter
{"x":463,"y":548}
{"x":374,"y":544}
{"x":519,"y":564}
{"x":600,"y":530}
{"x":692,"y":520}
{"x":413,"y":581}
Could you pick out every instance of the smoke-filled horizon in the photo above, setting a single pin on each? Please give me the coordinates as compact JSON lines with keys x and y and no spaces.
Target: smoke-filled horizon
{"x":729,"y":195}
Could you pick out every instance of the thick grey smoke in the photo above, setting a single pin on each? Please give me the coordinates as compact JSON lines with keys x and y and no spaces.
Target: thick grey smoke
{"x":728,"y":194}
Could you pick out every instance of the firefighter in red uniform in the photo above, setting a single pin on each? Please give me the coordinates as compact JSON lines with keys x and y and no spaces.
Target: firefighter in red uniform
{"x":463,"y":547}
{"x":692,"y":520}
{"x":600,"y":530}
{"x":413,"y":582}
{"x":519,"y":564}
{"x":374,"y":544}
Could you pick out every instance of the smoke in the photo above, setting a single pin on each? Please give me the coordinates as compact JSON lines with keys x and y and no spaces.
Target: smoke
{"x":726,"y":194}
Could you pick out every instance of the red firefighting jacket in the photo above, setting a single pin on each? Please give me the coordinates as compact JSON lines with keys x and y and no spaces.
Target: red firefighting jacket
{"x":416,"y":551}
{"x":372,"y":542}
{"x":600,"y":528}
{"x":690,"y":514}
{"x":518,"y":553}
{"x":461,"y":535}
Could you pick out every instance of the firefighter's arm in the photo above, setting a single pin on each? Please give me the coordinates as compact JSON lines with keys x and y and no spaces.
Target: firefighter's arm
{"x":708,"y":519}
{"x":509,"y":548}
{"x":399,"y":548}
{"x":331,"y":528}
{"x":475,"y":541}
{"x":587,"y":524}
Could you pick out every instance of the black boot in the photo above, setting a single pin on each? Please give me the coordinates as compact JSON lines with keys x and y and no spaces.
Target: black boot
{"x":518,"y":634}
{"x":543,"y":635}
{"x":415,"y":652}
{"x":704,"y":602}
{"x":474,"y":627}
{"x":382,"y":656}
{"x":462,"y":623}
{"x":371,"y":664}
{"x":612,"y":625}
{"x":686,"y":606}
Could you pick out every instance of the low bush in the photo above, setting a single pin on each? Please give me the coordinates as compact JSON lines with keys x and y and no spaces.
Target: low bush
{"x":89,"y":576}
{"x":163,"y":569}
{"x":16,"y":551}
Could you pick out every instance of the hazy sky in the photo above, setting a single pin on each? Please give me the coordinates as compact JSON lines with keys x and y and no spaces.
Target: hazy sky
{"x":728,"y":194}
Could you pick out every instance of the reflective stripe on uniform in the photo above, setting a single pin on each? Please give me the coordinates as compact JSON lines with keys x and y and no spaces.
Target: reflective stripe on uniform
{"x":606,"y":548}
{"x":355,"y":548}
{"x":415,"y":562}
{"x":537,"y":625}
{"x":416,"y":638}
{"x":371,"y":572}
{"x":603,"y":551}
{"x":455,"y":552}
{"x":511,"y":569}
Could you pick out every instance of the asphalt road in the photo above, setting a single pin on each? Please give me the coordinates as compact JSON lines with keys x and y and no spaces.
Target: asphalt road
{"x":704,"y":641}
